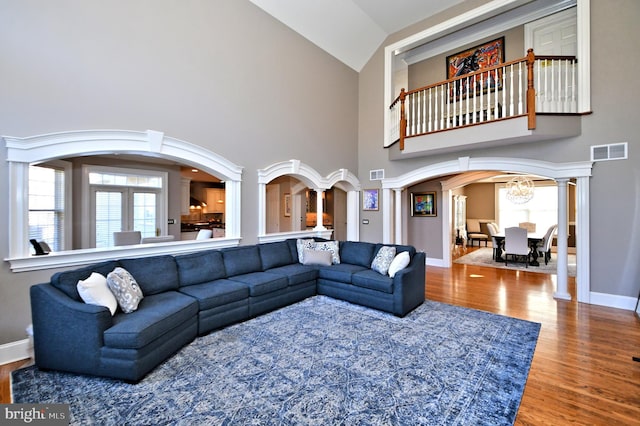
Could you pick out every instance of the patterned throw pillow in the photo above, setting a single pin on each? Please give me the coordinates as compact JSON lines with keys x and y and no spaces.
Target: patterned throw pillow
{"x":95,"y":291}
{"x":301,"y":245}
{"x":331,"y":246}
{"x":125,"y":288}
{"x":383,"y":259}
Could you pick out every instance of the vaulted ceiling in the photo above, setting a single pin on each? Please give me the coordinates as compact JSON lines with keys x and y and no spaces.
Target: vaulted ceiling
{"x":351,"y":30}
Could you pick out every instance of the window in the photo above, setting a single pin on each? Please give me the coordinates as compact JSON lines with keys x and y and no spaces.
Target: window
{"x":47,"y":205}
{"x":125,"y":200}
{"x":542,"y":209}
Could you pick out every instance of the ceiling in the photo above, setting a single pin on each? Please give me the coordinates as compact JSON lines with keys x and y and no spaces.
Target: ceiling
{"x":351,"y":30}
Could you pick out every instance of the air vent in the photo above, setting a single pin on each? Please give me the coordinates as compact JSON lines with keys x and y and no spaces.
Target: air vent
{"x":614,"y":151}
{"x":376,"y":174}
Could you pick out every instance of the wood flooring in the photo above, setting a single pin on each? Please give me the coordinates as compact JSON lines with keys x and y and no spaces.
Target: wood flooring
{"x":582,"y":371}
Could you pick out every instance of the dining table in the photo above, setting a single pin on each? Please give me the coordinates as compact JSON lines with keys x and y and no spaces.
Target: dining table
{"x":533,"y":239}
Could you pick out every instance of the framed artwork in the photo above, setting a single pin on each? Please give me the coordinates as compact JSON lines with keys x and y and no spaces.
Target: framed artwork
{"x":287,"y":205}
{"x":477,"y":58}
{"x":423,"y":204}
{"x":370,"y":199}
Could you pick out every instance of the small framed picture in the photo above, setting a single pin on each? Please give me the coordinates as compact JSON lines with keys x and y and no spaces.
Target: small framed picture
{"x":370,"y":199}
{"x":287,"y":205}
{"x":423,"y":204}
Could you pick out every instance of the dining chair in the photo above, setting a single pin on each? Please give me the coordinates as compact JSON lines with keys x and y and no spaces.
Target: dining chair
{"x":126,"y":238}
{"x":204,"y":234}
{"x":544,"y":247}
{"x":474,"y":232}
{"x":529,"y":226}
{"x":493,"y":231}
{"x":516,"y":244}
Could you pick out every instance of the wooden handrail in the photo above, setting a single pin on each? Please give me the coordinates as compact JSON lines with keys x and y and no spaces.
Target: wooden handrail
{"x":529,"y":97}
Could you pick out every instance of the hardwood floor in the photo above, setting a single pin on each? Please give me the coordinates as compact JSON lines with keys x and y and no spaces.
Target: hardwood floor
{"x":582,"y":370}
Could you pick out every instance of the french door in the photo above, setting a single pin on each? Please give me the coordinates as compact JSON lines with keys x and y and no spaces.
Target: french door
{"x":119,"y":208}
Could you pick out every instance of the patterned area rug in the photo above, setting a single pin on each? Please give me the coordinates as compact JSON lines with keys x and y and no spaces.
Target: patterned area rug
{"x":321,"y":362}
{"x":484,"y":257}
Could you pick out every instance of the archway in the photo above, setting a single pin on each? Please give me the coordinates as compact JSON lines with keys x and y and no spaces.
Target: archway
{"x":393,"y":206}
{"x":24,"y":151}
{"x":310,"y":178}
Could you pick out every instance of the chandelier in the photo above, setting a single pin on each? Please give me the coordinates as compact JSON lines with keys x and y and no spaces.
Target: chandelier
{"x":520,"y":190}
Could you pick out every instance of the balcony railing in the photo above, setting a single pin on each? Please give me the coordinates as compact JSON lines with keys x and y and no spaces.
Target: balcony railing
{"x":524,"y":87}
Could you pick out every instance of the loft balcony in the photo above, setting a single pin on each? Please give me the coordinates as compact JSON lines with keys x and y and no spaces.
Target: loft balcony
{"x":528,"y":100}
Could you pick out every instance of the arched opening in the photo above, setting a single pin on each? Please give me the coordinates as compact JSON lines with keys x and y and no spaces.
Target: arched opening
{"x":23,"y":152}
{"x":465,"y":170}
{"x":295,"y":200}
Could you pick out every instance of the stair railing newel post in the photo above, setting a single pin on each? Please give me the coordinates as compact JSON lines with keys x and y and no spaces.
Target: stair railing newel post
{"x":403,"y":119}
{"x":531,"y":91}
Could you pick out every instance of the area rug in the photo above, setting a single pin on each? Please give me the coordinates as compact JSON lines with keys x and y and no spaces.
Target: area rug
{"x":318,"y":362}
{"x":484,"y":257}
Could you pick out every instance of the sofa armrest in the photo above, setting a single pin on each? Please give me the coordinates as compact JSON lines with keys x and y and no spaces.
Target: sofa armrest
{"x":409,"y":286}
{"x":67,"y":334}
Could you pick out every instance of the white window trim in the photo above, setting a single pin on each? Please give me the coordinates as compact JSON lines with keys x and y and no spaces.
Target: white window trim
{"x":37,"y":149}
{"x":88,"y":221}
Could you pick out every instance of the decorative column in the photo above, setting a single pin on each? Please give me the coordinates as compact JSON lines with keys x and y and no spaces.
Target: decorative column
{"x":262,"y":211}
{"x":562,"y":292}
{"x":398,"y":215}
{"x":353,"y":216}
{"x":387,"y":217}
{"x":319,"y":211}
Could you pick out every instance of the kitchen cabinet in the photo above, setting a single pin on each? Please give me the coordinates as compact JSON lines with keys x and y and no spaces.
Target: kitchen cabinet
{"x":215,"y":200}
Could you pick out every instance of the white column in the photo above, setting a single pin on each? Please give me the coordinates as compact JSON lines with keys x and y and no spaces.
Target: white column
{"x":233,"y":209}
{"x":18,"y":219}
{"x":262,"y":209}
{"x":319,"y":211}
{"x":398,"y":215}
{"x":387,"y":217}
{"x":583,"y":272}
{"x":353,"y":216}
{"x":561,"y":291}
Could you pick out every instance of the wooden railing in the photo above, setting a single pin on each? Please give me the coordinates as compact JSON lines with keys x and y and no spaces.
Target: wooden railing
{"x":524,"y":87}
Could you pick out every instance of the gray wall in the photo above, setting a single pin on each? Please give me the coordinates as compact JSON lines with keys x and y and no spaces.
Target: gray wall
{"x":614,"y":186}
{"x":221,"y":74}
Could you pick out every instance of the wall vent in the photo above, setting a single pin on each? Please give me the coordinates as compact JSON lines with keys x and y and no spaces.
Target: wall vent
{"x":376,"y":174}
{"x":614,"y":151}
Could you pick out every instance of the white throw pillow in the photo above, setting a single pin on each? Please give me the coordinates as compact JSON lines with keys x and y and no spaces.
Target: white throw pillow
{"x":94,"y":291}
{"x":399,"y":262}
{"x":125,"y":288}
{"x":383,"y":259}
{"x":332,"y":247}
{"x":317,"y":257}
{"x":302,"y":245}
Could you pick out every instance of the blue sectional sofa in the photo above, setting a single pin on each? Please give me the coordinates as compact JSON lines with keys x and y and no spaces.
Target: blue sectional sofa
{"x":193,"y":294}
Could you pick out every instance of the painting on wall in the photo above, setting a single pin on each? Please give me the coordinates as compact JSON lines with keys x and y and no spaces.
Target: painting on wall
{"x":477,"y":58}
{"x":287,"y":205}
{"x":423,"y":204}
{"x":370,"y":199}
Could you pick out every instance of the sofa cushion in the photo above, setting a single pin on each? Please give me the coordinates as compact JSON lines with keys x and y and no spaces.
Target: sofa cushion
{"x":155,"y":274}
{"x":373,"y":280}
{"x":275,"y":254}
{"x":95,"y":291}
{"x":357,"y":253}
{"x":125,"y":288}
{"x":399,"y":248}
{"x":200,"y":267}
{"x":262,"y":282}
{"x":383,"y":259}
{"x":217,"y":293}
{"x":67,"y":281}
{"x":241,"y":260}
{"x":342,"y":272}
{"x":156,"y":315}
{"x":296,"y":273}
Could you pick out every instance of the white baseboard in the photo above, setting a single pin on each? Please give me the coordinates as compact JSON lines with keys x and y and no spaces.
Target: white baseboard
{"x":613,"y":301}
{"x":16,"y":351}
{"x":435,"y":262}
